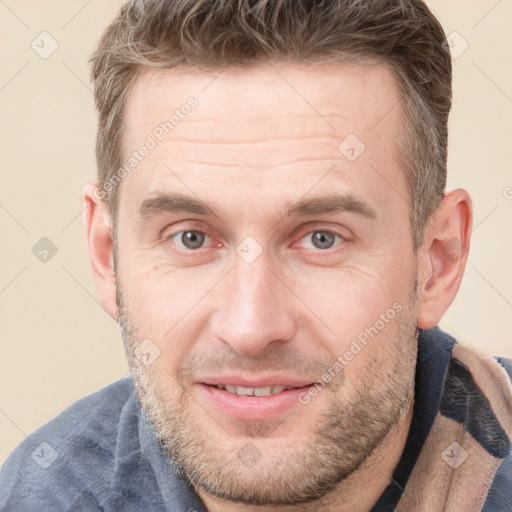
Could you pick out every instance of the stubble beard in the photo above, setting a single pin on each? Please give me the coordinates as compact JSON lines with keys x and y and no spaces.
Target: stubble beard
{"x":341,"y":440}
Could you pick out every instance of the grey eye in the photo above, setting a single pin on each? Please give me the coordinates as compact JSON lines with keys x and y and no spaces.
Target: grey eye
{"x":323,"y":239}
{"x":191,"y":239}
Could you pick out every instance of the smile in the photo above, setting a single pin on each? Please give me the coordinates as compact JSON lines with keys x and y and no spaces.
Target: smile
{"x":252,"y":403}
{"x":263,"y":391}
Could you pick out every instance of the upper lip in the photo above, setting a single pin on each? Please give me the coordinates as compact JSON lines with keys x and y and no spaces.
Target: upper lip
{"x":256,"y":382}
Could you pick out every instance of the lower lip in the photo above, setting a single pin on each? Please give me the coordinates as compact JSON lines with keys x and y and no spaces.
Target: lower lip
{"x":252,"y":408}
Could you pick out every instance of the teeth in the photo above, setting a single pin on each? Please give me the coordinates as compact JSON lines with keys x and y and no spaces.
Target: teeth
{"x":263,"y":391}
{"x":240,"y":390}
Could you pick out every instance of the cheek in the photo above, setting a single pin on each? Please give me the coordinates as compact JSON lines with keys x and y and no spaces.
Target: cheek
{"x":162,"y":299}
{"x":169,"y":311}
{"x":364,"y":311}
{"x":352,"y":299}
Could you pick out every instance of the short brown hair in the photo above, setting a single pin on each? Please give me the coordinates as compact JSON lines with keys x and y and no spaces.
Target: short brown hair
{"x":402,"y":34}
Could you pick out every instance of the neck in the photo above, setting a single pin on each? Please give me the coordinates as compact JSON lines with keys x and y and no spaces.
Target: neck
{"x":357,"y":493}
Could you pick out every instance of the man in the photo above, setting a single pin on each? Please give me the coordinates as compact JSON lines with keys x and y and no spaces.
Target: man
{"x":272,"y":232}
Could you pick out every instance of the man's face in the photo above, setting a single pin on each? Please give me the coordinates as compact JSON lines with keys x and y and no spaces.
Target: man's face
{"x":248,"y":290}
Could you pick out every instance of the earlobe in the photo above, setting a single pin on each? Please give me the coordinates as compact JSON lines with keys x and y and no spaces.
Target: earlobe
{"x":99,"y":240}
{"x":443,"y":257}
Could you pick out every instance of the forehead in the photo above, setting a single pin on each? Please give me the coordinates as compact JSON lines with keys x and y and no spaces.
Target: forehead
{"x":271,"y":126}
{"x":267,"y":91}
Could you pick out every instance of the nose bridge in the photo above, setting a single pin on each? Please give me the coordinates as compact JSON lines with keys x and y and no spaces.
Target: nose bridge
{"x":254,"y":309}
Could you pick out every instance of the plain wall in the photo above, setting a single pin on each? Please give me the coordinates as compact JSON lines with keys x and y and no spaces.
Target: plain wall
{"x":57,"y":343}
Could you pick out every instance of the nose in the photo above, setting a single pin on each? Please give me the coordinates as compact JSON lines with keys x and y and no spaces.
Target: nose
{"x":254,"y":308}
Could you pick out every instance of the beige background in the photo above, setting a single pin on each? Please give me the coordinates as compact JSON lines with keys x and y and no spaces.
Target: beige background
{"x":56,"y":342}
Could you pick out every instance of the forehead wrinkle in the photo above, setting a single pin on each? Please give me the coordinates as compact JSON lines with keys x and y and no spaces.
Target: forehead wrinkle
{"x":264,"y":155}
{"x":247,"y":130}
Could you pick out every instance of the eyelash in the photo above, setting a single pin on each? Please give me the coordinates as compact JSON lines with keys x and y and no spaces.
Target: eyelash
{"x":321,"y":230}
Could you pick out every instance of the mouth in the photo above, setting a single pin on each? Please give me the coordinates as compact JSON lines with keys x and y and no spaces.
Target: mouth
{"x":261,"y":391}
{"x":259,"y":402}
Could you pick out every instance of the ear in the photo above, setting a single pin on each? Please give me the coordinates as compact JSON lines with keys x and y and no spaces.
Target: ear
{"x":99,"y":238}
{"x":443,"y":256}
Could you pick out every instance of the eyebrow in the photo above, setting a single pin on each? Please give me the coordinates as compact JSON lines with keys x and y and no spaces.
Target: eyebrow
{"x":164,"y":203}
{"x":331,"y":204}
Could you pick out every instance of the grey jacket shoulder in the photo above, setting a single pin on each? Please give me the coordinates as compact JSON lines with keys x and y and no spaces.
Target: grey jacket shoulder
{"x":499,"y":497}
{"x":51,"y":470}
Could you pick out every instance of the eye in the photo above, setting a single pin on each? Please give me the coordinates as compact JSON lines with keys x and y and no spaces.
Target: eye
{"x":322,"y":238}
{"x":193,"y":239}
{"x":190,"y":239}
